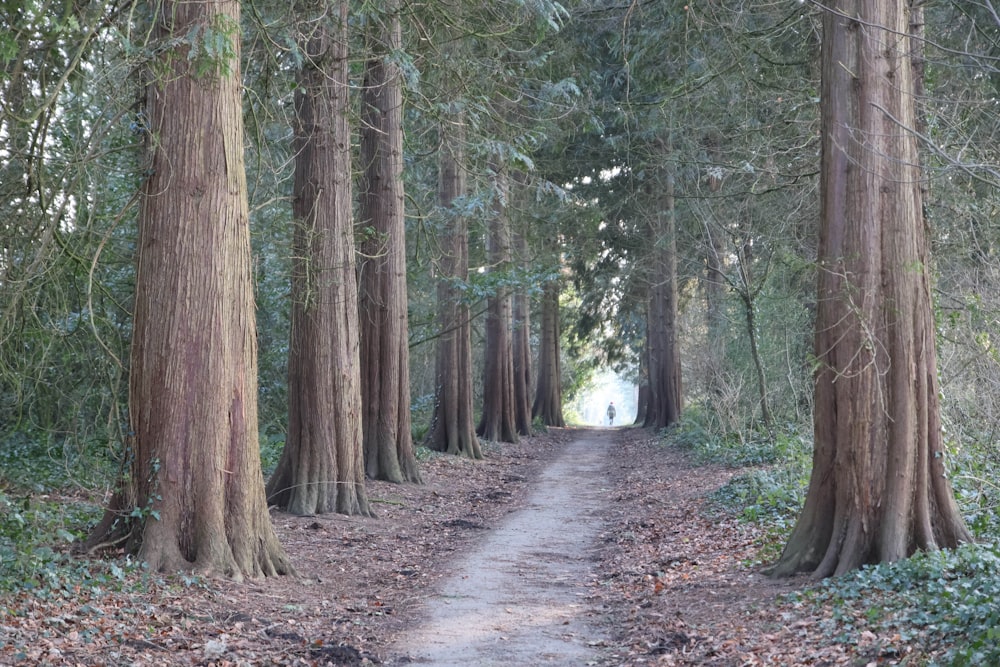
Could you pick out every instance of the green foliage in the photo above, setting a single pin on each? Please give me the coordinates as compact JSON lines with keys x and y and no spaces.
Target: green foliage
{"x":972,"y":470}
{"x":696,"y":432}
{"x":771,"y":496}
{"x":538,"y":427}
{"x":211,"y":49}
{"x":945,"y":602}
{"x":424,"y":453}
{"x":36,"y":533}
{"x":770,"y":491}
{"x":44,"y":464}
{"x":271,"y":446}
{"x":421,"y":411}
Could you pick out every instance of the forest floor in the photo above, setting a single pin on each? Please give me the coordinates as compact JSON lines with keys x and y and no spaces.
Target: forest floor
{"x":577,"y":547}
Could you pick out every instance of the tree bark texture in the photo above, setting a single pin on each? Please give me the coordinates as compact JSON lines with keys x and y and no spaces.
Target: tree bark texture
{"x":521,"y":349}
{"x":196,"y":479}
{"x":497,"y":420}
{"x":385,"y":380}
{"x":664,"y":406}
{"x":453,"y":428}
{"x":548,"y":394}
{"x":879,"y":489}
{"x":642,"y":404}
{"x":321,"y":467}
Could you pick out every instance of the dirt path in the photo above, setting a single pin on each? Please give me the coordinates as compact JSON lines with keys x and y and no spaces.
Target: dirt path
{"x":573,"y":547}
{"x":520,"y":595}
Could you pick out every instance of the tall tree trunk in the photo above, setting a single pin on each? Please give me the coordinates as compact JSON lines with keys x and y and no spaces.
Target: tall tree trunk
{"x":321,"y":467}
{"x":522,"y":349}
{"x":385,"y":373}
{"x":548,"y":394}
{"x":196,"y":478}
{"x":715,"y":304}
{"x":497,"y":420}
{"x":878,"y":489}
{"x":452,"y":425}
{"x":664,"y":357}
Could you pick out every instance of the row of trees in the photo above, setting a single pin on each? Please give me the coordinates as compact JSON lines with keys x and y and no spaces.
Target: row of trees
{"x":191,"y":493}
{"x":574,"y":184}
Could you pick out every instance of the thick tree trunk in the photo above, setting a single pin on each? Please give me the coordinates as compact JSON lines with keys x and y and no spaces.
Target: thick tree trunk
{"x":497,"y":420}
{"x":385,"y":379}
{"x":664,"y":357}
{"x":452,"y":424}
{"x":521,"y":349}
{"x":879,"y":489}
{"x":548,"y":395}
{"x":196,"y":479}
{"x":321,"y":467}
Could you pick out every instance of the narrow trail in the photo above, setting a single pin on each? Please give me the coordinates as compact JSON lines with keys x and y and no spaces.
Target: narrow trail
{"x":519,"y":597}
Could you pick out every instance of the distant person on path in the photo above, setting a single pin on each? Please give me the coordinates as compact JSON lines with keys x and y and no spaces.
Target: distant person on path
{"x":611,"y":414}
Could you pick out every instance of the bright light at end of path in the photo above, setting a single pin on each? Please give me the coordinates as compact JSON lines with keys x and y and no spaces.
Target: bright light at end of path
{"x":591,"y":405}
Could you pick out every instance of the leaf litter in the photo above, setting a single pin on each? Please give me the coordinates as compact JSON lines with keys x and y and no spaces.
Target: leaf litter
{"x":676,"y":583}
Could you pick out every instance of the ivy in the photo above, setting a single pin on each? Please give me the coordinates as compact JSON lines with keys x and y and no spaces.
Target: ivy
{"x":945,"y":602}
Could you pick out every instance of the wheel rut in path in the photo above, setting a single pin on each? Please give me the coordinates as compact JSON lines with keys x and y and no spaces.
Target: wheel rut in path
{"x":520,"y":596}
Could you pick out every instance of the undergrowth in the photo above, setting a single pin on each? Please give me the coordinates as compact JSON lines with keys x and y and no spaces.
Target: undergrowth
{"x":36,"y":539}
{"x":769,"y":490}
{"x":944,"y":603}
{"x":45,"y":512}
{"x":941,"y":605}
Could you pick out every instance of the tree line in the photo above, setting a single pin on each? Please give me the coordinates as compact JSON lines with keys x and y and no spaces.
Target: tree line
{"x":339,"y":230}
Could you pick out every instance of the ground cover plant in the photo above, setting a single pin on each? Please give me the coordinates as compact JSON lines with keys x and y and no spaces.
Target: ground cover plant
{"x":935,"y":608}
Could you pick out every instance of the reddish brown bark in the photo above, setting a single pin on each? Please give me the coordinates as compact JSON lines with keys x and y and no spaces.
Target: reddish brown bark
{"x":521,"y":349}
{"x":642,"y":404}
{"x":385,"y":379}
{"x":664,"y":367}
{"x":452,"y":424}
{"x":196,"y":481}
{"x":321,"y":467}
{"x":878,"y":489}
{"x":497,"y":420}
{"x":548,"y":395}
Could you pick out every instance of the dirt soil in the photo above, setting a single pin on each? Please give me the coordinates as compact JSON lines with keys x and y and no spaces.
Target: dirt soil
{"x":577,"y":547}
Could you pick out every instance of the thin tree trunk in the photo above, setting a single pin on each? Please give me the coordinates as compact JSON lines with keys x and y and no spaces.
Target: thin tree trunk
{"x":388,"y":442}
{"x":748,"y":295}
{"x":715,"y":311}
{"x":878,"y":489}
{"x":321,"y":467}
{"x":548,"y":395}
{"x":196,"y":481}
{"x":715,"y":280}
{"x":522,"y":350}
{"x":452,"y":425}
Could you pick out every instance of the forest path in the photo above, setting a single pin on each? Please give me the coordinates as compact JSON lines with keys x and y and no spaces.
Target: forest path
{"x":520,"y":596}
